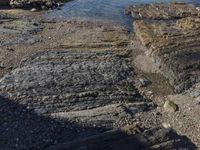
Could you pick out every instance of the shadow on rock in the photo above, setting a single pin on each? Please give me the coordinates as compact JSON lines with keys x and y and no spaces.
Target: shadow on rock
{"x":23,"y":129}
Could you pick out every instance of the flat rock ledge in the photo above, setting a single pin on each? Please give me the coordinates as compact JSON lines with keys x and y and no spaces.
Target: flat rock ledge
{"x":52,"y":82}
{"x":163,"y":11}
{"x":129,"y":138}
{"x":82,"y":92}
{"x":171,"y":34}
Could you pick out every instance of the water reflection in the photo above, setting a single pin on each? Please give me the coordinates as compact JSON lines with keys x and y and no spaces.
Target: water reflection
{"x":112,"y":10}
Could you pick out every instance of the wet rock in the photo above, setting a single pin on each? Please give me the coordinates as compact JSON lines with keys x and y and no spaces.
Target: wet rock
{"x":173,"y":44}
{"x":170,"y":106}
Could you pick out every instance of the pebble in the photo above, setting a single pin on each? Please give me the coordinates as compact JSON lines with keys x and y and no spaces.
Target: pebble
{"x":144,"y":82}
{"x":149,"y":93}
{"x":166,"y":125}
{"x":170,"y":106}
{"x":33,"y":10}
{"x":2,"y":65}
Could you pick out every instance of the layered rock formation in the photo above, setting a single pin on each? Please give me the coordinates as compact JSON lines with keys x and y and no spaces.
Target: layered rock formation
{"x":87,"y":89}
{"x":171,"y":34}
{"x":54,"y":82}
{"x":162,"y":11}
{"x":42,"y":4}
{"x":130,"y":138}
{"x":87,"y":34}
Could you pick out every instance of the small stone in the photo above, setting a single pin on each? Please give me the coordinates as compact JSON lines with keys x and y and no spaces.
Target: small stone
{"x":2,"y":65}
{"x":166,"y":125}
{"x":33,"y":10}
{"x":60,"y":4}
{"x":149,"y":93}
{"x":170,"y":106}
{"x":144,"y":82}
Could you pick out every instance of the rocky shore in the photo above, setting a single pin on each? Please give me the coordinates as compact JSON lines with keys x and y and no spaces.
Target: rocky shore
{"x":171,"y":34}
{"x":94,"y":85}
{"x":36,"y":4}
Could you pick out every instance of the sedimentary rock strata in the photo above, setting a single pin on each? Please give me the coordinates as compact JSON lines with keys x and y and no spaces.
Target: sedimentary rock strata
{"x":162,"y":11}
{"x":64,"y":81}
{"x":173,"y":44}
{"x":130,"y":138}
{"x":87,"y":34}
{"x":82,"y":92}
{"x":15,"y":31}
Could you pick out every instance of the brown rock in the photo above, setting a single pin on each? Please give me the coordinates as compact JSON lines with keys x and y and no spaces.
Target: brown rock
{"x":162,"y":11}
{"x":173,"y":44}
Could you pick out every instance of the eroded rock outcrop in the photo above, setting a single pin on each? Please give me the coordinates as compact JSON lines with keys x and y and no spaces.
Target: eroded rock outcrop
{"x":171,"y":35}
{"x":86,"y":91}
{"x":130,"y":138}
{"x":33,"y":3}
{"x":64,"y":81}
{"x":162,"y":11}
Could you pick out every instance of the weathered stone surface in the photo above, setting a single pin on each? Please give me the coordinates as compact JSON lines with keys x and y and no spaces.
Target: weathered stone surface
{"x":74,"y":94}
{"x":23,"y":129}
{"x":130,"y":138}
{"x":109,"y":116}
{"x":174,"y":49}
{"x":174,"y":46}
{"x":17,"y":31}
{"x":170,"y":106}
{"x":162,"y":11}
{"x":87,"y":34}
{"x":53,"y":82}
{"x":32,"y":3}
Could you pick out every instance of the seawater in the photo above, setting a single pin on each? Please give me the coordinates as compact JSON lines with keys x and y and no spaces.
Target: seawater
{"x":107,"y":10}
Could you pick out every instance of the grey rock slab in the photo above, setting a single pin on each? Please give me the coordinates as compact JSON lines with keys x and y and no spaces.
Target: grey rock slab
{"x":109,"y":116}
{"x":63,"y":81}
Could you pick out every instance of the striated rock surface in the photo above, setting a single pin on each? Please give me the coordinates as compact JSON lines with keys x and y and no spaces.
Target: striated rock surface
{"x":130,"y":138}
{"x":162,"y":11}
{"x":16,"y":31}
{"x":173,"y":43}
{"x":63,"y":81}
{"x":73,"y":94}
{"x":87,"y":34}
